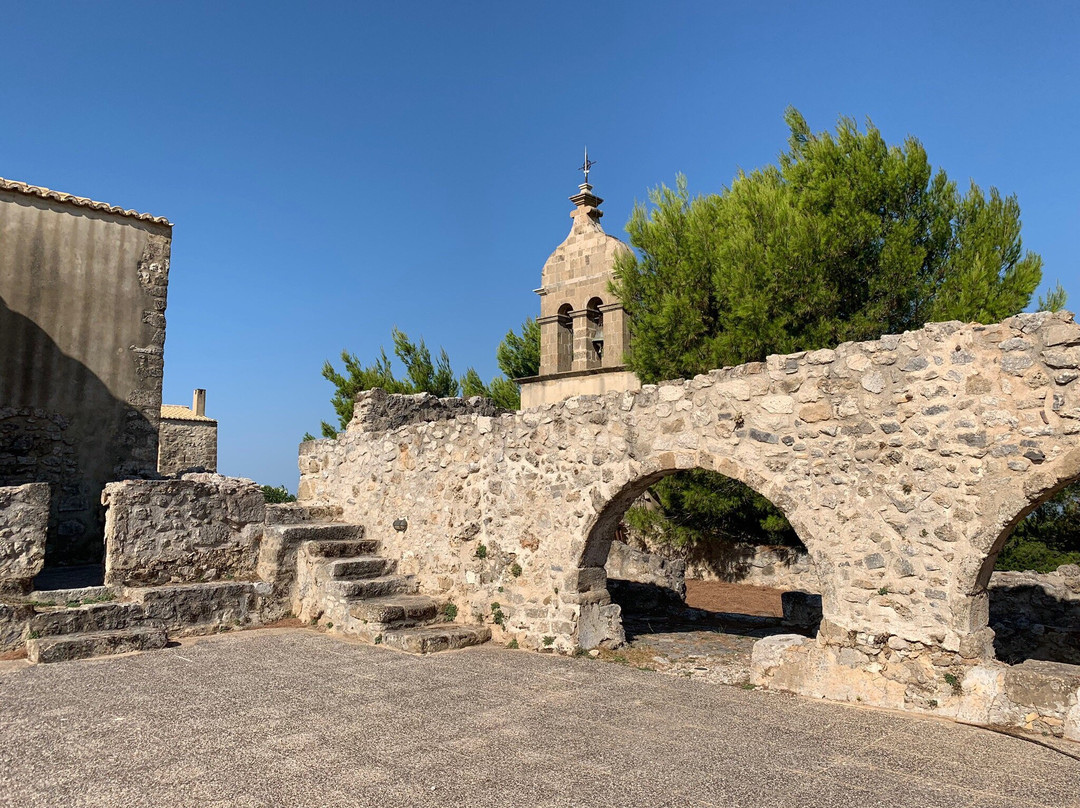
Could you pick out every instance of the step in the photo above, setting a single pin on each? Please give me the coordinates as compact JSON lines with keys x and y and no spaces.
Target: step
{"x":367,"y":566}
{"x":95,"y":643}
{"x":396,"y":609}
{"x":432,"y":639}
{"x":293,"y":513}
{"x":373,"y":587}
{"x":94,"y":617}
{"x":342,"y":549}
{"x":318,"y":532}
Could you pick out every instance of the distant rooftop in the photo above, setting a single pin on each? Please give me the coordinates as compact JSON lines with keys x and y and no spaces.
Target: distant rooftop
{"x":178,"y":412}
{"x":82,"y":202}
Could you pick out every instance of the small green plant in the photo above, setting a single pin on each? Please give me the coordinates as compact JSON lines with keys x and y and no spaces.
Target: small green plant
{"x":71,"y":604}
{"x":34,"y":635}
{"x":548,"y":641}
{"x":500,"y":589}
{"x":104,"y":597}
{"x":748,"y":686}
{"x":378,"y":639}
{"x":329,"y":624}
{"x":953,"y":681}
{"x":907,"y":488}
{"x":277,"y":494}
{"x":449,"y":612}
{"x":620,"y":659}
{"x":580,"y":652}
{"x":932,"y":703}
{"x":513,"y":645}
{"x":497,"y":616}
{"x":883,"y":591}
{"x":481,"y":551}
{"x":515,"y":570}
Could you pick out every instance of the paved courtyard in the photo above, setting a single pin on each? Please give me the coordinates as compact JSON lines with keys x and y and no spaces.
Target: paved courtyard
{"x":296,"y":718}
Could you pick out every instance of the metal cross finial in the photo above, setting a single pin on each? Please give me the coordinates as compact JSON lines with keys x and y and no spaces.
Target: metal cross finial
{"x":587,"y":165}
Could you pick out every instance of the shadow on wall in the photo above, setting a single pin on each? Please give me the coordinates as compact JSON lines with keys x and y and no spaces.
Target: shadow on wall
{"x":60,"y":424}
{"x":1037,"y":619}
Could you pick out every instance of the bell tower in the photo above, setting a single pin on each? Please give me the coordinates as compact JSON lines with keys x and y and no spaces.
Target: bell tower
{"x":583,"y":330}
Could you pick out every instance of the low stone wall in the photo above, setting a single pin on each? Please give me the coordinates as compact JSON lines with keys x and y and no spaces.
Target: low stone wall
{"x":645,"y":581}
{"x":24,"y":522}
{"x":738,"y":563}
{"x":1036,"y":616}
{"x":1037,"y":696}
{"x":201,"y":527}
{"x":378,"y":411}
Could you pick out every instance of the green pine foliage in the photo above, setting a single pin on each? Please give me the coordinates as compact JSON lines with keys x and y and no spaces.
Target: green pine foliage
{"x":846,"y":238}
{"x":518,"y":356}
{"x":1048,"y":537}
{"x":422,"y":375}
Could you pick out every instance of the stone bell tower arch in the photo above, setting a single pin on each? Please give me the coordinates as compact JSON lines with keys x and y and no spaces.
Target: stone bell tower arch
{"x":583,"y":328}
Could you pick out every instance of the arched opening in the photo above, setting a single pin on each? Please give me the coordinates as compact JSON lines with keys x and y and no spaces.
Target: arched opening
{"x":686,"y":569}
{"x":565,"y":346}
{"x":594,"y":333}
{"x":1031,"y":580}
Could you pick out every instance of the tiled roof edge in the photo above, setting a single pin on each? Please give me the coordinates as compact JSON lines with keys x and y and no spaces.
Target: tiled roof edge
{"x":82,"y":202}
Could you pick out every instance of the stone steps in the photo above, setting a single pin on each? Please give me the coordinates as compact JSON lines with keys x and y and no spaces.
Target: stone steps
{"x":92,"y":618}
{"x":366,"y":566}
{"x":290,"y":513}
{"x":319,"y":531}
{"x":434,"y":638}
{"x":378,"y":587}
{"x":396,"y":610}
{"x":342,"y":548}
{"x":41,"y":650}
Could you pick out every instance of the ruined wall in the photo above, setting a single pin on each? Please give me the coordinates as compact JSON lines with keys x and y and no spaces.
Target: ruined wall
{"x":755,"y":565}
{"x":24,"y":516}
{"x":1036,"y":616}
{"x":902,"y":464}
{"x":201,"y":527}
{"x":186,"y":445}
{"x":82,"y":322}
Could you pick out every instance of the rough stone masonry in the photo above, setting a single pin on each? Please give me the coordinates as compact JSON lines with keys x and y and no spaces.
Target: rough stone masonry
{"x":902,"y":463}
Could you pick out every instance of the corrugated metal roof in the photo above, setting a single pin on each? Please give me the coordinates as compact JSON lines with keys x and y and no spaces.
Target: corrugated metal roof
{"x":178,"y":412}
{"x":82,"y":202}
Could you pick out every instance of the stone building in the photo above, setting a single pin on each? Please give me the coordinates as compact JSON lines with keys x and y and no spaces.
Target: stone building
{"x":583,"y":329}
{"x":82,"y":333}
{"x":187,"y":439}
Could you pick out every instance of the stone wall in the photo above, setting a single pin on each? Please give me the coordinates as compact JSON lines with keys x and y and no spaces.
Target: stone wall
{"x":200,"y":527}
{"x":24,"y":518}
{"x":82,"y":319}
{"x":901,"y":463}
{"x":645,"y":581}
{"x":377,"y":411}
{"x":755,"y":565}
{"x":186,"y":446}
{"x":1036,"y":616}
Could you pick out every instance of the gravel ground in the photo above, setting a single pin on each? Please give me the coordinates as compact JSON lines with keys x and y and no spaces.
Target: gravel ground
{"x":291,"y":717}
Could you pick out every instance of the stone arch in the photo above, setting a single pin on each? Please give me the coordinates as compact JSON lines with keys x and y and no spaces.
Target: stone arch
{"x":598,"y":618}
{"x":565,"y":343}
{"x":1014,"y":506}
{"x":594,"y":333}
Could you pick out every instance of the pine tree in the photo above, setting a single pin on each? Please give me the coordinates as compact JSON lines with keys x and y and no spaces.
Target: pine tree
{"x":846,"y":238}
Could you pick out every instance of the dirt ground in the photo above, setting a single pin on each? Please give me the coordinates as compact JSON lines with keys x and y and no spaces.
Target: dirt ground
{"x":717,"y":596}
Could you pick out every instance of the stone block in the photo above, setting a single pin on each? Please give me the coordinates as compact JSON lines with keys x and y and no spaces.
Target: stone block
{"x":201,"y":527}
{"x":24,"y":520}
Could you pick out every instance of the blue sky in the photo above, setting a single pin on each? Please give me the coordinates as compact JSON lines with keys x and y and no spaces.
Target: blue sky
{"x":335,"y":170}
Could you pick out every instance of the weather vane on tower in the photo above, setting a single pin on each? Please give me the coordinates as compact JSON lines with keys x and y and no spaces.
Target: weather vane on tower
{"x":587,"y":165}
